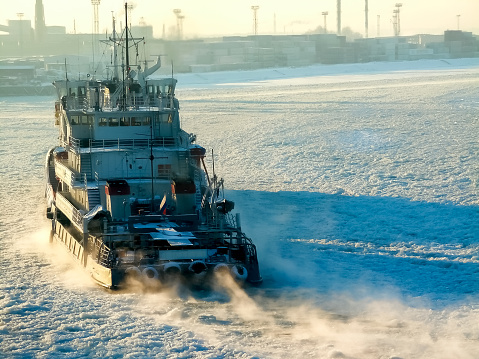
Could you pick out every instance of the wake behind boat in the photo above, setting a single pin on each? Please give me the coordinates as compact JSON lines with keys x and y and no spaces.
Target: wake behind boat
{"x":128,"y":192}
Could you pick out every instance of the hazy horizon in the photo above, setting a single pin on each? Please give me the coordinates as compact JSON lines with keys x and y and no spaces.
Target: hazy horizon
{"x":213,"y":17}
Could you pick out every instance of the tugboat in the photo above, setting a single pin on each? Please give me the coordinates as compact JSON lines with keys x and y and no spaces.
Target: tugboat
{"x":127,"y":189}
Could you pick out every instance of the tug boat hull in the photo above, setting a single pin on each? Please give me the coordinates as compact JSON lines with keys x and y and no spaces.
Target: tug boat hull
{"x":153,"y":275}
{"x":128,"y":191}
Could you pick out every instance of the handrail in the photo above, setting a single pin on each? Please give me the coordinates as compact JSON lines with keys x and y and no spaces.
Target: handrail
{"x":68,"y":209}
{"x":115,"y":96}
{"x":65,"y":173}
{"x":91,"y":94}
{"x":77,"y":144}
{"x":101,"y":253}
{"x":134,"y":101}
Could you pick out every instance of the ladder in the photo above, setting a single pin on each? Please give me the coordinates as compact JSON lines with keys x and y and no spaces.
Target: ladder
{"x":198,"y":196}
{"x":94,"y":198}
{"x":182,"y":162}
{"x":86,"y":167}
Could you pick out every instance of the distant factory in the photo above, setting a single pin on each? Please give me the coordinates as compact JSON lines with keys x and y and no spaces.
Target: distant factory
{"x":49,"y":47}
{"x":20,"y":30}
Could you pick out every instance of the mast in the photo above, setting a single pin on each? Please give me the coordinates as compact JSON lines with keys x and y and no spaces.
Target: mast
{"x":115,"y":55}
{"x":126,"y":38}
{"x":152,"y":159}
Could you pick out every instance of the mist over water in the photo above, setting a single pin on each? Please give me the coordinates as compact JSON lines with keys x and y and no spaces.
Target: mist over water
{"x":361,"y":196}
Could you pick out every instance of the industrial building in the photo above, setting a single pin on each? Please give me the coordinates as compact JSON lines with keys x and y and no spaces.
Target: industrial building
{"x":53,"y":47}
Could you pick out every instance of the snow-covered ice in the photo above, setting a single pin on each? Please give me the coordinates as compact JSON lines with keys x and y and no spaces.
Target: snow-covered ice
{"x":358,"y":183}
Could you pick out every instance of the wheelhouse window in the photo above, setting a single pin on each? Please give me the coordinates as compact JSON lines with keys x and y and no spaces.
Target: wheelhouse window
{"x":125,"y":121}
{"x":146,"y":121}
{"x":122,"y":121}
{"x":75,"y":119}
{"x":81,"y":120}
{"x":81,"y":91}
{"x":136,"y":121}
{"x":86,"y":120}
{"x":113,"y":122}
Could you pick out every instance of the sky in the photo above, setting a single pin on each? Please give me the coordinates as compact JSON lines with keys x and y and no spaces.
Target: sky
{"x":227,"y":17}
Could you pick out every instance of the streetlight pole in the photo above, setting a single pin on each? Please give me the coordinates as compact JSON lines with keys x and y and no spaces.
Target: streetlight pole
{"x":398,"y":6}
{"x":20,"y":24}
{"x":325,"y":13}
{"x":255,"y":18}
{"x":366,"y":18}
{"x":179,"y":25}
{"x":96,"y":22}
{"x":395,"y":22}
{"x":338,"y":7}
{"x":378,"y":30}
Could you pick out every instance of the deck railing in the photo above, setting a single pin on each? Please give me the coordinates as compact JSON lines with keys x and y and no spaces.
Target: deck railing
{"x":114,"y":101}
{"x":101,"y":253}
{"x":77,"y":143}
{"x":66,"y":174}
{"x":70,"y":211}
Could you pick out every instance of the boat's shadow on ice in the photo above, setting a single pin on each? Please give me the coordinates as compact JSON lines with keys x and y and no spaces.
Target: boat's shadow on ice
{"x":363,"y":246}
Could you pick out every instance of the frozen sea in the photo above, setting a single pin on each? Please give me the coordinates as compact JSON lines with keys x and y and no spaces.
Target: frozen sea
{"x":358,"y":183}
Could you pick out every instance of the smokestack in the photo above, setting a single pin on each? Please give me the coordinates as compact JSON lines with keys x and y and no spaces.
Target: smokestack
{"x":40,"y":28}
{"x":339,"y":16}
